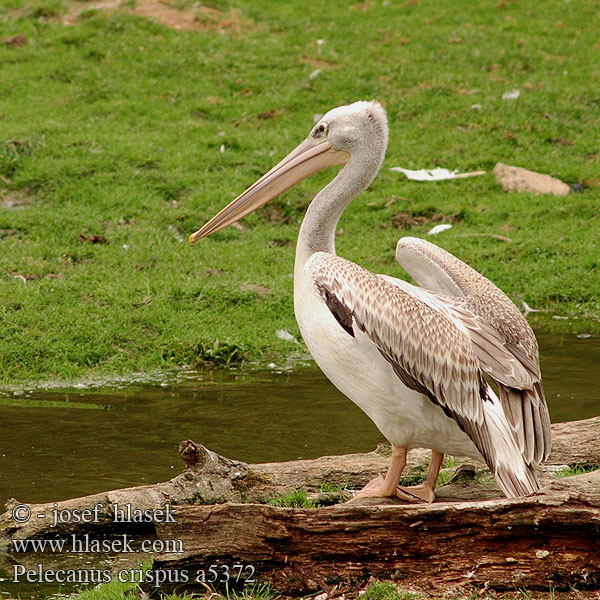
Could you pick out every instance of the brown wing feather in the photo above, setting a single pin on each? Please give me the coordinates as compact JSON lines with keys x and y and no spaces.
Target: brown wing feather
{"x":487,"y":313}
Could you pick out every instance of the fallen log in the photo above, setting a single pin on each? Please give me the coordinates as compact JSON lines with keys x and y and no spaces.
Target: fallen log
{"x":547,"y":540}
{"x":211,"y":478}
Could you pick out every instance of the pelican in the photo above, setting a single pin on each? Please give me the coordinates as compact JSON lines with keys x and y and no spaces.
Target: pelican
{"x":414,"y":359}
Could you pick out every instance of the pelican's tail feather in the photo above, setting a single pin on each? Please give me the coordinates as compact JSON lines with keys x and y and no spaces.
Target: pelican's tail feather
{"x":528,"y":417}
{"x":512,"y":470}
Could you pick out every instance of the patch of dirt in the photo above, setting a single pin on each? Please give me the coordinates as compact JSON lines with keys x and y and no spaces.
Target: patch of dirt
{"x":195,"y":18}
{"x":279,"y":243}
{"x":261,"y":290}
{"x":16,"y":200}
{"x":269,"y":114}
{"x":8,"y":232}
{"x":272,"y":214}
{"x":405,"y":220}
{"x":32,"y":276}
{"x":362,"y":6}
{"x":92,"y":239}
{"x":211,"y":272}
{"x":15,"y":41}
{"x":319,"y":63}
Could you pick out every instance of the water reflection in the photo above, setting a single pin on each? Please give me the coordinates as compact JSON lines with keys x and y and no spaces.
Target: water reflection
{"x":571,"y":371}
{"x":130,"y":436}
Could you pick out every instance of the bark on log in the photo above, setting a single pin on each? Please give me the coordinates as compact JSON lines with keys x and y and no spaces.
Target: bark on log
{"x":576,"y":443}
{"x":547,"y":541}
{"x":211,"y":479}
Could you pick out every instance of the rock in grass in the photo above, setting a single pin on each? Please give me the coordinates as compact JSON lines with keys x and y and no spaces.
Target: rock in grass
{"x":516,"y":179}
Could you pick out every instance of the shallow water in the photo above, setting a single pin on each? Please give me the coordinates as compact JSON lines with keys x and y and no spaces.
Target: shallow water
{"x":61,"y":444}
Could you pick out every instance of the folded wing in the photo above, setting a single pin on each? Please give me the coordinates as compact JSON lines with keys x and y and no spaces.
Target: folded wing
{"x":496,"y":328}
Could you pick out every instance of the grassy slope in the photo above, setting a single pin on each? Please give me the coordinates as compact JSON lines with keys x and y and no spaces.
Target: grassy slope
{"x":120,"y":123}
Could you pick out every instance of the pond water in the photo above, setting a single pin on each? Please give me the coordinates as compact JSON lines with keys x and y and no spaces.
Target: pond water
{"x":59,"y":444}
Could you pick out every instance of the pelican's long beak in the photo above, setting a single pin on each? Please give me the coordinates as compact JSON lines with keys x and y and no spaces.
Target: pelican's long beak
{"x":308,"y":158}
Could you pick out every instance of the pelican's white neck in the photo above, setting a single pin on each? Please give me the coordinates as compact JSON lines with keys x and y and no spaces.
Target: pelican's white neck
{"x":317,"y":232}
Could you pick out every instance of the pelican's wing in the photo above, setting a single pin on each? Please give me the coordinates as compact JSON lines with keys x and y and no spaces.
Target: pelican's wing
{"x":439,"y":271}
{"x":488,"y":313}
{"x":429,"y":353}
{"x":494,"y":357}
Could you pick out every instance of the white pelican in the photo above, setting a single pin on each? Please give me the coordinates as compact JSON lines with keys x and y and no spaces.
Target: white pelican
{"x":413,"y":359}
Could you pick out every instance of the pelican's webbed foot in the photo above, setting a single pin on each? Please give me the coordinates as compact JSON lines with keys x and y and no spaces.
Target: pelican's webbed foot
{"x":388,"y":487}
{"x":424,"y":492}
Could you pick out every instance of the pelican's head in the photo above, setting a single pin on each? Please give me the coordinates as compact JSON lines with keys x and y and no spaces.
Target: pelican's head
{"x":355,"y":128}
{"x":358,"y":130}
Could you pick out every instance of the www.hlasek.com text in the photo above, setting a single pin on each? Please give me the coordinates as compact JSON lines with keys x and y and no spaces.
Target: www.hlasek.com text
{"x":84,"y":544}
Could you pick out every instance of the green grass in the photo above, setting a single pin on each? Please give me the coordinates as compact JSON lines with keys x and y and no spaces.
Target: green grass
{"x":577,"y":469}
{"x":257,"y":591}
{"x":417,"y":474}
{"x":115,"y":590}
{"x":386,"y":590}
{"x":327,"y":487}
{"x":120,"y":136}
{"x":328,"y":494}
{"x":293,"y":499}
{"x":378,"y":590}
{"x":134,"y":590}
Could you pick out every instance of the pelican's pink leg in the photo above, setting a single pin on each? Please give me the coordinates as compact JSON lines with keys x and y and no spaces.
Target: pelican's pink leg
{"x":388,"y":487}
{"x":426,"y":490}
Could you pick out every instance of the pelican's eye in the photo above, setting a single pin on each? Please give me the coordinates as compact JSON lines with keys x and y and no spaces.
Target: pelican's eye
{"x":321,"y":130}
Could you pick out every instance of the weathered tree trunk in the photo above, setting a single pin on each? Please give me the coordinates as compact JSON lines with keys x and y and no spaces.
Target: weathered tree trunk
{"x":211,"y":478}
{"x":471,"y":534}
{"x":541,"y":542}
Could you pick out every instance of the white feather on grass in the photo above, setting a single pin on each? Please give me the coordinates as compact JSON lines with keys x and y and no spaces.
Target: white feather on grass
{"x":511,"y":95}
{"x":286,"y":336}
{"x":438,"y":229}
{"x":438,"y":174}
{"x":527,"y":309}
